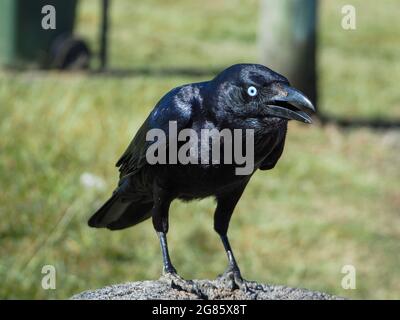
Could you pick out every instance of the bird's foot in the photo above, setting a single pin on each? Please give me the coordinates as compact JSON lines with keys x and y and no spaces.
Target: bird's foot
{"x":232,"y":279}
{"x":177,"y":282}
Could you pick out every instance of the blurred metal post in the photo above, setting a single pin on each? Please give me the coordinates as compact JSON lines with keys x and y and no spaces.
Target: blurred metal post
{"x":287,"y":40}
{"x":103,"y":34}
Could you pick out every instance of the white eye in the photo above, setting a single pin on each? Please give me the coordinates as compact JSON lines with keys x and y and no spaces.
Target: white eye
{"x":252,"y":91}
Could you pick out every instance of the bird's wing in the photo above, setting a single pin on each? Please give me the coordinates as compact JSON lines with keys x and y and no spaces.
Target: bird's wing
{"x":170,"y":108}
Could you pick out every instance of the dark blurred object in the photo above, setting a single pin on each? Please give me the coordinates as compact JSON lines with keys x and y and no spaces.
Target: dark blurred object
{"x":374,"y":123}
{"x":103,"y":34}
{"x":68,"y":52}
{"x":24,"y":42}
{"x":288,"y":41}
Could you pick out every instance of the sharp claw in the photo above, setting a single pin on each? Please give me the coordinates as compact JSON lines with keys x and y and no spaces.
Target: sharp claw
{"x":232,"y":279}
{"x":177,"y":282}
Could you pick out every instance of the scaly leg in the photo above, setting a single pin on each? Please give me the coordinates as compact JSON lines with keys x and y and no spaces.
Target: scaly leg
{"x":226,"y":205}
{"x":162,"y":201}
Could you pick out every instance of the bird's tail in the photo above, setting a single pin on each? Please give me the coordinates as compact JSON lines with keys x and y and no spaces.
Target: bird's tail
{"x":119,"y":213}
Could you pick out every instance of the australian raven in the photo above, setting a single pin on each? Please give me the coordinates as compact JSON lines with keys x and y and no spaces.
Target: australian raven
{"x":242,"y":97}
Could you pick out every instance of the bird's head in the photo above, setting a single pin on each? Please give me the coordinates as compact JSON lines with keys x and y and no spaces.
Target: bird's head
{"x":252,"y":92}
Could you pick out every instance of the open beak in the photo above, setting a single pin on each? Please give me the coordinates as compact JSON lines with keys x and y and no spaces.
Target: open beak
{"x":290,"y":104}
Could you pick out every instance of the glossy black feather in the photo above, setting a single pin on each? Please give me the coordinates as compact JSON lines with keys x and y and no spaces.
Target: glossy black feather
{"x":221,"y":103}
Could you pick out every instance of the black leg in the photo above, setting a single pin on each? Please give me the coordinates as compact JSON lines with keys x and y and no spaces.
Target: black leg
{"x":170,"y":275}
{"x":168,"y":267}
{"x":162,"y":201}
{"x":226,"y":205}
{"x":233,"y":266}
{"x":232,"y":276}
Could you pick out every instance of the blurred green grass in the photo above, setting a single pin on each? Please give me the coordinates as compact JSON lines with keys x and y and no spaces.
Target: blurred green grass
{"x":333,"y":199}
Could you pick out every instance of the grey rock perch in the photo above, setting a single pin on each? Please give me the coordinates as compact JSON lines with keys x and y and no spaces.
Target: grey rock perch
{"x":207,"y":289}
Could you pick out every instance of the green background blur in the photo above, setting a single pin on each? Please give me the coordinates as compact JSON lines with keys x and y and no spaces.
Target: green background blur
{"x":332,"y":200}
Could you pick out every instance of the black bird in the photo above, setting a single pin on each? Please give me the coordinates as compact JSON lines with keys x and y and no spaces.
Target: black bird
{"x":243,"y":96}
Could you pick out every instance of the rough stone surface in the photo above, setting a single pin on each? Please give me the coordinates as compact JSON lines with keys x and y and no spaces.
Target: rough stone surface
{"x":205,"y":289}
